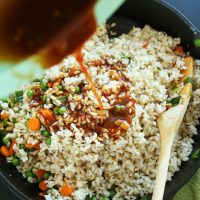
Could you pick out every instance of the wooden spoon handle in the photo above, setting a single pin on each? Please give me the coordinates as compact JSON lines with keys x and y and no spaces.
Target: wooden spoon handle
{"x":162,"y":170}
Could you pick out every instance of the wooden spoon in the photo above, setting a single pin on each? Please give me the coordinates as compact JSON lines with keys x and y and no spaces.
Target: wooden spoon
{"x":168,"y":124}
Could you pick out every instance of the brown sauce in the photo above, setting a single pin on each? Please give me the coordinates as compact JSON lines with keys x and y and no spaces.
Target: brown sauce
{"x":119,"y":112}
{"x":79,"y":57}
{"x":51,"y":29}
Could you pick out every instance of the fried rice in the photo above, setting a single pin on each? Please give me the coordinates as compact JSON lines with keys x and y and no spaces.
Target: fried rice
{"x":136,"y":76}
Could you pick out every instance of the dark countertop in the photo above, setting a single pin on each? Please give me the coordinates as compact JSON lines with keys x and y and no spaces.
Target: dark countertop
{"x":190,"y":8}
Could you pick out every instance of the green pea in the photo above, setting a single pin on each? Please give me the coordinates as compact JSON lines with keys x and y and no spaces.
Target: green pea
{"x":15,"y":161}
{"x":6,"y":140}
{"x":45,"y":133}
{"x":47,"y":175}
{"x":22,"y":146}
{"x":197,"y":42}
{"x":48,"y":141}
{"x":44,"y":85}
{"x":62,"y":110}
{"x":29,"y":174}
{"x":77,"y":89}
{"x":30,"y":93}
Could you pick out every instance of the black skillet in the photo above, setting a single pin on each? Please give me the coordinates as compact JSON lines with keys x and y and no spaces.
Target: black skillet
{"x":160,"y":16}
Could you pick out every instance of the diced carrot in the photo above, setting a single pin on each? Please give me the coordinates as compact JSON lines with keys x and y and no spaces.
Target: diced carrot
{"x":37,"y":146}
{"x":4,"y":151}
{"x":49,"y":84}
{"x":34,"y":124}
{"x":5,"y":115}
{"x":179,"y":51}
{"x":43,"y":186}
{"x":145,"y":45}
{"x":58,"y":80}
{"x":40,"y":173}
{"x":47,"y":114}
{"x":66,"y":190}
{"x":31,"y":146}
{"x":11,"y":150}
{"x":72,"y":70}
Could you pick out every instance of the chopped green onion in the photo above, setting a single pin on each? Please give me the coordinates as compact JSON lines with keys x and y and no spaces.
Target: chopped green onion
{"x":94,"y":198}
{"x":45,"y":133}
{"x":196,"y":154}
{"x":14,"y":120}
{"x":11,"y":102}
{"x":56,"y":110}
{"x":44,"y":98}
{"x":62,"y":110}
{"x":175,"y":90}
{"x":47,"y":175}
{"x":77,"y":89}
{"x":87,"y":197}
{"x":3,"y":133}
{"x":144,"y":197}
{"x":4,"y":99}
{"x":104,"y":198}
{"x":112,"y":191}
{"x":112,"y":194}
{"x":48,"y":141}
{"x":197,"y":42}
{"x":19,"y":93}
{"x":26,"y":123}
{"x":35,"y":80}
{"x":30,"y":93}
{"x":6,"y":140}
{"x":89,"y":183}
{"x":4,"y":121}
{"x":123,"y":56}
{"x":175,"y":101}
{"x":19,"y":96}
{"x":22,"y":146}
{"x":44,"y":85}
{"x":188,"y":80}
{"x":29,"y":174}
{"x":15,"y":161}
{"x":60,"y":87}
{"x":62,"y":99}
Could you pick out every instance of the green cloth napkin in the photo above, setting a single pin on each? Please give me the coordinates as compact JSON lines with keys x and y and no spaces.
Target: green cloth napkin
{"x":191,"y":191}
